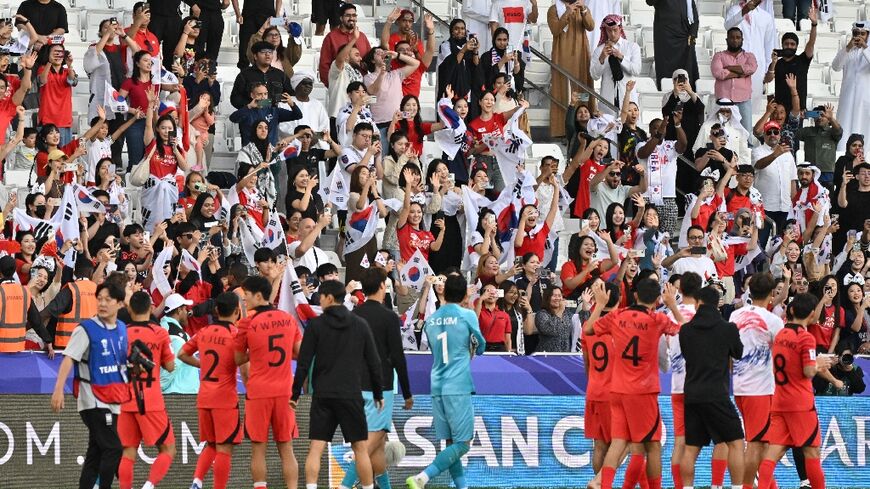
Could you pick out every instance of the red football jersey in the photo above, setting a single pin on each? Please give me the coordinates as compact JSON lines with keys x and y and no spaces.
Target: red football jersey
{"x":217,"y":365}
{"x":157,"y":340}
{"x":270,"y":337}
{"x":598,"y":350}
{"x":635,"y":332}
{"x":793,"y":349}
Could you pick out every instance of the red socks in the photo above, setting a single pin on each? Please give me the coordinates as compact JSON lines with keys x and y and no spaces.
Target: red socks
{"x":222,"y":462}
{"x":125,"y":473}
{"x":655,"y":483}
{"x":642,"y":480}
{"x":815,"y":473}
{"x":159,"y":468}
{"x":204,"y":463}
{"x":678,"y":478}
{"x":765,"y":473}
{"x":607,"y":476}
{"x":718,"y":472}
{"x":635,"y":469}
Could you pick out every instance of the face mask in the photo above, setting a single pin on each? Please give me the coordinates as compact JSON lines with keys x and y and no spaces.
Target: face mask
{"x":788,"y":53}
{"x":683,"y":96}
{"x":40,"y":211}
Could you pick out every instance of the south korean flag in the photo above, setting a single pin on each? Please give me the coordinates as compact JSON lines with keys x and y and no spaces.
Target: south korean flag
{"x":414,"y":273}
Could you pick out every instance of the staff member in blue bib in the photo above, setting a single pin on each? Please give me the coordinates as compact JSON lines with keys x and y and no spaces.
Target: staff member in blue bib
{"x":97,"y":352}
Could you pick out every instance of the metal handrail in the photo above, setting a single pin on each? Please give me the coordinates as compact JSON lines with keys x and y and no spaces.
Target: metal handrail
{"x":547,"y":93}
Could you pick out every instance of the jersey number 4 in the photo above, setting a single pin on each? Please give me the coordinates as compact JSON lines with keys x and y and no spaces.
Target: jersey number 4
{"x":630,"y":351}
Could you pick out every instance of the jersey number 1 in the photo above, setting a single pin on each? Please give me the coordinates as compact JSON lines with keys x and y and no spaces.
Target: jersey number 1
{"x":443,"y":338}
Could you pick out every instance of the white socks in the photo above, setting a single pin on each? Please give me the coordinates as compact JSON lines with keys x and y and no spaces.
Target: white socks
{"x":422,"y":477}
{"x":148,"y":485}
{"x":310,"y":486}
{"x":370,"y":486}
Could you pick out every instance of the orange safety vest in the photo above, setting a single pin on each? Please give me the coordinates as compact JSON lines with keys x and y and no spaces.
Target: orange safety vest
{"x":14,"y":304}
{"x":84,"y":306}
{"x":243,"y":309}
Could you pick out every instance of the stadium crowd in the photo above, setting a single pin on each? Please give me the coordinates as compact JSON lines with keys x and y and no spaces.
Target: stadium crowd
{"x":343,"y":190}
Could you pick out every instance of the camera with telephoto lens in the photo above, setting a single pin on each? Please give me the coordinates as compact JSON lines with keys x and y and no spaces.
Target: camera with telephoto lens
{"x":141,"y":356}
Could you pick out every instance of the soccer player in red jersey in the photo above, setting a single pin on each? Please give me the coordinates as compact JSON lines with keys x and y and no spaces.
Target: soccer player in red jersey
{"x":220,"y":424}
{"x":634,"y":408}
{"x":270,"y":340}
{"x":793,"y":419}
{"x":144,"y":417}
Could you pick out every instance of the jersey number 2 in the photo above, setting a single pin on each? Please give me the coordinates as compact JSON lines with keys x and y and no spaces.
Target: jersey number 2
{"x":208,"y":375}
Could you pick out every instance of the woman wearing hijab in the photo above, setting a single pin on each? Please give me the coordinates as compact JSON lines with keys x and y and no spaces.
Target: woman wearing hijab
{"x":459,"y":66}
{"x":569,"y":22}
{"x":259,"y":150}
{"x":499,"y":59}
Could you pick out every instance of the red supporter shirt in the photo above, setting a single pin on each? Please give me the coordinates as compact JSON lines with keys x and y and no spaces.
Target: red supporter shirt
{"x":734,"y":202}
{"x":55,"y":98}
{"x":494,"y":324}
{"x":534,"y":243}
{"x":7,"y":108}
{"x":415,"y":138}
{"x":136,"y":97}
{"x":217,"y":365}
{"x":157,"y":340}
{"x":162,"y":165}
{"x":823,"y":332}
{"x":411,"y":84}
{"x":411,"y":240}
{"x":186,"y":202}
{"x":597,"y":349}
{"x":199,"y":293}
{"x":494,"y":127}
{"x":270,"y":337}
{"x":42,"y":157}
{"x":706,"y":211}
{"x":725,"y":268}
{"x":635,"y":332}
{"x":332,"y":44}
{"x":587,"y":172}
{"x":146,"y":40}
{"x":793,"y":349}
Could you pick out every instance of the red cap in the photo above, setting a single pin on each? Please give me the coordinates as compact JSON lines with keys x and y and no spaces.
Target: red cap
{"x":771,"y":125}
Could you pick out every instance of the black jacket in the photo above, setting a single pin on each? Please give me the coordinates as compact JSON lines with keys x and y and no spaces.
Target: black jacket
{"x":334,"y":346}
{"x":708,"y":342}
{"x":387,"y":331}
{"x":276,"y":82}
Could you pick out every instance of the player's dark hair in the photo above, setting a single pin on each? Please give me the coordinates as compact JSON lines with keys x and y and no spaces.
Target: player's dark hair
{"x":257,"y":284}
{"x":226,"y":304}
{"x":614,"y":295}
{"x":116,"y":292}
{"x":238,"y":271}
{"x":265,"y":254}
{"x":325,"y":269}
{"x":647,"y":291}
{"x":334,"y":289}
{"x":801,"y":306}
{"x":85,"y":269}
{"x":709,"y":296}
{"x":455,"y":289}
{"x":761,"y":284}
{"x":690,"y":285}
{"x":140,"y":303}
{"x":371,"y":280}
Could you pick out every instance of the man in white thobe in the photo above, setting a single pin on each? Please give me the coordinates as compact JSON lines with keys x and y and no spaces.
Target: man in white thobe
{"x":854,"y":61}
{"x":476,"y":14}
{"x":614,"y":52}
{"x":759,"y":38}
{"x":599,"y":10}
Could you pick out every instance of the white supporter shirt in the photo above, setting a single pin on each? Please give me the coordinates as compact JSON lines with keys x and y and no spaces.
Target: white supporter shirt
{"x":774,"y":180}
{"x":513,"y":16}
{"x":339,"y":80}
{"x":97,"y":150}
{"x":661,"y":167}
{"x":345,"y":134}
{"x":312,"y":258}
{"x":351,"y":156}
{"x":313,"y":115}
{"x":702,"y":265}
{"x":675,"y":354}
{"x":753,"y":374}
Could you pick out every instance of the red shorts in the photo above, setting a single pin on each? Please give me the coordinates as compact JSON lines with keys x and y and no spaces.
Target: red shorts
{"x":795,"y":429}
{"x":596,"y":421}
{"x":221,"y":426}
{"x":153,"y":428}
{"x":635,"y":417}
{"x":260,"y":414}
{"x":678,"y":407}
{"x":756,"y":416}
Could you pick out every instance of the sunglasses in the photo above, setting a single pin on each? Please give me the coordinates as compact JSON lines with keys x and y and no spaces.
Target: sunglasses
{"x":615,"y":174}
{"x":718,"y":134}
{"x":772,"y":132}
{"x":187,"y":235}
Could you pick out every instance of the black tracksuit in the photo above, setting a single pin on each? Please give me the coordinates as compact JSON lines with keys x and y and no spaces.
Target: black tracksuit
{"x":708,"y":343}
{"x":337,"y":343}
{"x":166,"y":25}
{"x":387,"y":331}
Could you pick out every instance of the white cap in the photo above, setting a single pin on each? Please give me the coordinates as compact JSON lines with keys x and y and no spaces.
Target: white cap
{"x":175,"y":301}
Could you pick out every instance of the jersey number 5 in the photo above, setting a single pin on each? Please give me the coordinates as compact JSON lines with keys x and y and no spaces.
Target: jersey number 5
{"x":282,"y":354}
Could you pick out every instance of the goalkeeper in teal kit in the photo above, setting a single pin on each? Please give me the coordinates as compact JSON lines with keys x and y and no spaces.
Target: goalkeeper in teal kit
{"x":452,"y":332}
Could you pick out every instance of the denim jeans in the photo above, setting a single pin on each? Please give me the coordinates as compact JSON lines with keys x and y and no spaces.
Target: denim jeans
{"x":65,"y":135}
{"x":745,"y":109}
{"x":795,"y":10}
{"x":135,"y":143}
